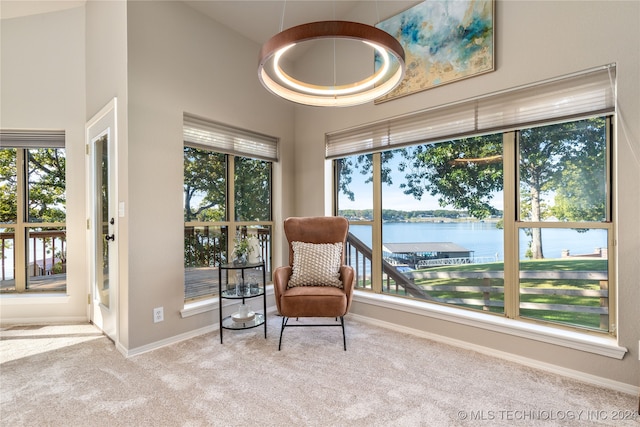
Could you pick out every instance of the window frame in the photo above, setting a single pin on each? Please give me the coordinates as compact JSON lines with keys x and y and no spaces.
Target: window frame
{"x":512,"y":227}
{"x":22,"y":141}
{"x":230,"y":223}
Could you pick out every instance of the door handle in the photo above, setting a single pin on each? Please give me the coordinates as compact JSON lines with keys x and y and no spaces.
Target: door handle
{"x":111,"y":237}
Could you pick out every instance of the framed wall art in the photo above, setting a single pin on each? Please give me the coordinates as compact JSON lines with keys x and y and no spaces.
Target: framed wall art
{"x":444,"y":41}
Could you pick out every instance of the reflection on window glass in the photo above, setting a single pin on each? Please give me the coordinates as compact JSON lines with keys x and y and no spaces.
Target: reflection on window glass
{"x":355,"y":187}
{"x":209,"y":233}
{"x":47,"y":255}
{"x":7,"y":258}
{"x":8,"y":186}
{"x":563,"y":172}
{"x":204,"y":248}
{"x":258,"y":239}
{"x":46,"y":185}
{"x":570,"y":285}
{"x":354,"y":198}
{"x":358,"y":254}
{"x":33,"y":258}
{"x":205,"y":185}
{"x":442,"y":222}
{"x":445,"y":233}
{"x":252,"y":183}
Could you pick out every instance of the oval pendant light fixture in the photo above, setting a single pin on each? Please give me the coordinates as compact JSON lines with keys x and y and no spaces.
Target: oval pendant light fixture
{"x":388,"y":75}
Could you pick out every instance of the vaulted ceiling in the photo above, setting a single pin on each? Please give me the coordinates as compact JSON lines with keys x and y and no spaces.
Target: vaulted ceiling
{"x":256,"y":20}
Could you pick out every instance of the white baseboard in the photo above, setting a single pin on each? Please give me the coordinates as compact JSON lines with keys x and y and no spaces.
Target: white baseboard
{"x":175,"y":339}
{"x":570,"y":373}
{"x":168,"y":341}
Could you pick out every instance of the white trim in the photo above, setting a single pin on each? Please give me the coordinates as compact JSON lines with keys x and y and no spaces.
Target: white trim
{"x":601,"y":345}
{"x":190,"y":310}
{"x":33,"y":299}
{"x":46,"y":320}
{"x":570,"y":373}
{"x":167,"y":341}
{"x":105,"y":121}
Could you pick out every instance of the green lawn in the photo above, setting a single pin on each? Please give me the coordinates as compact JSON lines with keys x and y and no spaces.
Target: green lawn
{"x":588,"y":320}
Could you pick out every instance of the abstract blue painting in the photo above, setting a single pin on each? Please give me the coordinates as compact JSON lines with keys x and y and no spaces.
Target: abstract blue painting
{"x":444,"y":41}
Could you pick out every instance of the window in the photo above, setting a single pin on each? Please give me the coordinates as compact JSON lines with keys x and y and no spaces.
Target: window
{"x":32,"y":211}
{"x":564,"y":223}
{"x":227,"y":192}
{"x":515,"y":222}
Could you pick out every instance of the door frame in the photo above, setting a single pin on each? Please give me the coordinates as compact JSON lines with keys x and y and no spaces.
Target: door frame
{"x":107,"y":320}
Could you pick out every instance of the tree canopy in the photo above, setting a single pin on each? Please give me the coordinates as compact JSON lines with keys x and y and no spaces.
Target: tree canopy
{"x":562,"y":173}
{"x":46,"y":182}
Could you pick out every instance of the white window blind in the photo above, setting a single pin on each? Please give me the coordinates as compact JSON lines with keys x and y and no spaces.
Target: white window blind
{"x":30,"y":138}
{"x":202,"y":133}
{"x":580,"y":95}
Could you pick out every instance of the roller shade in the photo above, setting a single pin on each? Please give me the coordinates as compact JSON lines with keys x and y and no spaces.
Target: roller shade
{"x":579,"y":95}
{"x":29,"y":138}
{"x":202,"y":133}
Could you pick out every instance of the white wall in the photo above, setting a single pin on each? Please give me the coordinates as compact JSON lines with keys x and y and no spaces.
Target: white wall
{"x":180,"y":61}
{"x":43,"y":87}
{"x":534,"y":41}
{"x":106,"y":69}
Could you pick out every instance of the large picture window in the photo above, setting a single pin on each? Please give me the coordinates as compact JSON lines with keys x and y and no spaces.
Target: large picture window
{"x":444,"y":228}
{"x":227,"y":194}
{"x":516,"y":222}
{"x":33,"y":240}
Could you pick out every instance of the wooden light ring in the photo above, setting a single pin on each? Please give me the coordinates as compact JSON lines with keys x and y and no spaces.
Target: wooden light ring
{"x":331,"y":29}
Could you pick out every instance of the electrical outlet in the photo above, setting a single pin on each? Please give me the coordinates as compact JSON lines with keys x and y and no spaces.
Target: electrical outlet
{"x":158,"y":314}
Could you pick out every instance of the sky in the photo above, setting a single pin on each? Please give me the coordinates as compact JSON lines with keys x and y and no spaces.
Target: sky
{"x":392,"y":196}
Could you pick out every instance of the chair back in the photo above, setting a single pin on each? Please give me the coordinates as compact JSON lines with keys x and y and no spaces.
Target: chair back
{"x":316,"y":229}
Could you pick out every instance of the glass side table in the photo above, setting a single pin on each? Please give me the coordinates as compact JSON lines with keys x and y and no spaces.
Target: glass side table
{"x":246,"y":286}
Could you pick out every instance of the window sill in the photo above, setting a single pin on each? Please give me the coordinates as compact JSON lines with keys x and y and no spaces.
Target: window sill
{"x":601,"y":345}
{"x":39,"y":298}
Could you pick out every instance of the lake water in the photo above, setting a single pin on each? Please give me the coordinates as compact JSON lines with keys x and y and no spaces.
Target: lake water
{"x":484,"y":238}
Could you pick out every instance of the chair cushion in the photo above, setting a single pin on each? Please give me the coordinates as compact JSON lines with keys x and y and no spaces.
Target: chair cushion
{"x":313,"y":301}
{"x":316,"y":264}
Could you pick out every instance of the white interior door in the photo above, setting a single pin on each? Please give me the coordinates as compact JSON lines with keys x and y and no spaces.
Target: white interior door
{"x":102,"y":219}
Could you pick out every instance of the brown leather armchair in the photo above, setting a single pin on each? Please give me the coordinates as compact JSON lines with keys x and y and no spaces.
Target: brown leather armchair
{"x":314,"y":301}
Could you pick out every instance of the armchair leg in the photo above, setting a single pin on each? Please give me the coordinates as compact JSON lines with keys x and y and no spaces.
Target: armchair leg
{"x":285,"y":320}
{"x":284,"y":323}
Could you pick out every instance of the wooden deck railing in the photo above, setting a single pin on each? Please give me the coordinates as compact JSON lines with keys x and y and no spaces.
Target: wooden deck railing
{"x":359,"y":256}
{"x":51,"y":250}
{"x":206,"y":246}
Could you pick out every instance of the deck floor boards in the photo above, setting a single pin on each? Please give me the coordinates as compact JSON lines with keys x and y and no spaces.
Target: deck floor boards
{"x":199,"y":282}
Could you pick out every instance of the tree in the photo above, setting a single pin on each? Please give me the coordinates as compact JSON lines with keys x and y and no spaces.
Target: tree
{"x":464,"y":173}
{"x":8,"y":186}
{"x":581,"y":190}
{"x":46,"y":185}
{"x":204,"y":185}
{"x":566,"y":160}
{"x":252,"y":189}
{"x":563,"y":162}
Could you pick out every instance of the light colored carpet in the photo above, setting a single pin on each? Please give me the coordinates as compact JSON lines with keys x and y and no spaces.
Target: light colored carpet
{"x":73,"y":376}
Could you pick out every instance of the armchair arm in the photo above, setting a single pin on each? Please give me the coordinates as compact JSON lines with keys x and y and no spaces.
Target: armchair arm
{"x":347,"y":276}
{"x":281,"y":277}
